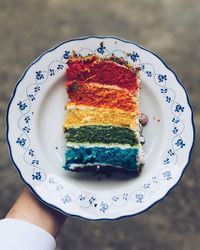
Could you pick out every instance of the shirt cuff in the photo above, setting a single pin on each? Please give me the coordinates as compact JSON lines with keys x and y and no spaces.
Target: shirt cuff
{"x":21,"y":235}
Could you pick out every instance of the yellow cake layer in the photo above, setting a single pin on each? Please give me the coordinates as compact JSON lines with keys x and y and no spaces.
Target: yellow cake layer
{"x":79,"y":115}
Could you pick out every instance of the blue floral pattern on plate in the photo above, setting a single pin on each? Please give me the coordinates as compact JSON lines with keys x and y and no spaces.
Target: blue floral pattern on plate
{"x":66,"y":198}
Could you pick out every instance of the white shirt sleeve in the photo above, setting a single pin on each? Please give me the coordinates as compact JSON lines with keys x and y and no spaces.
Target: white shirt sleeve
{"x":21,"y":235}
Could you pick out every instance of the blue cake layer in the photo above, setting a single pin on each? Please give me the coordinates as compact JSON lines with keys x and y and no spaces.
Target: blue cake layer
{"x":121,"y":157}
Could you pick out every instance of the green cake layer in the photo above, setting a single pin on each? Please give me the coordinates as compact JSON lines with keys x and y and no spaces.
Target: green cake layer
{"x":96,"y":134}
{"x":124,"y":158}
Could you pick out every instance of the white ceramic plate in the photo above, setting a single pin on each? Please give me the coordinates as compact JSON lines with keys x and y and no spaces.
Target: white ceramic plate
{"x":35,"y":137}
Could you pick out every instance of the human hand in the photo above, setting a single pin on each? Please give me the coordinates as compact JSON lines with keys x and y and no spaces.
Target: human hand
{"x":30,"y":209}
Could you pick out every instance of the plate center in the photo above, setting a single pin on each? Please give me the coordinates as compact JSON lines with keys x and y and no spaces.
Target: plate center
{"x":50,"y":119}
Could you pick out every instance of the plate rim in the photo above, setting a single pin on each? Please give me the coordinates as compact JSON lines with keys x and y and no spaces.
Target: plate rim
{"x":31,"y":188}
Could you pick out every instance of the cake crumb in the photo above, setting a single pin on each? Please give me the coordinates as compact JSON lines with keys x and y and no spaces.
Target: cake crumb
{"x":108,"y":175}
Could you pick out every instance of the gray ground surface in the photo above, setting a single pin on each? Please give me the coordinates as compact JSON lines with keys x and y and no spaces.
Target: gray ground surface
{"x":170,"y":28}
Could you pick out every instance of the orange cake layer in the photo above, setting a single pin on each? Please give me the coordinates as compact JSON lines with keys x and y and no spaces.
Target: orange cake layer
{"x":98,"y":95}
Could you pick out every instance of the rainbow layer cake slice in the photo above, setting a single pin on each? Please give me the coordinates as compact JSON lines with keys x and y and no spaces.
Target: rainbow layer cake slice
{"x":102,"y":123}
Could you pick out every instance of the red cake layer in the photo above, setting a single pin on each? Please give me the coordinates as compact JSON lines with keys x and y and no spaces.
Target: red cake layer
{"x":98,"y":95}
{"x":104,"y":71}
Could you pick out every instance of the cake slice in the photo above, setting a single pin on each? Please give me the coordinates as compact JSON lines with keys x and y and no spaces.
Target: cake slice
{"x":102,"y":123}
